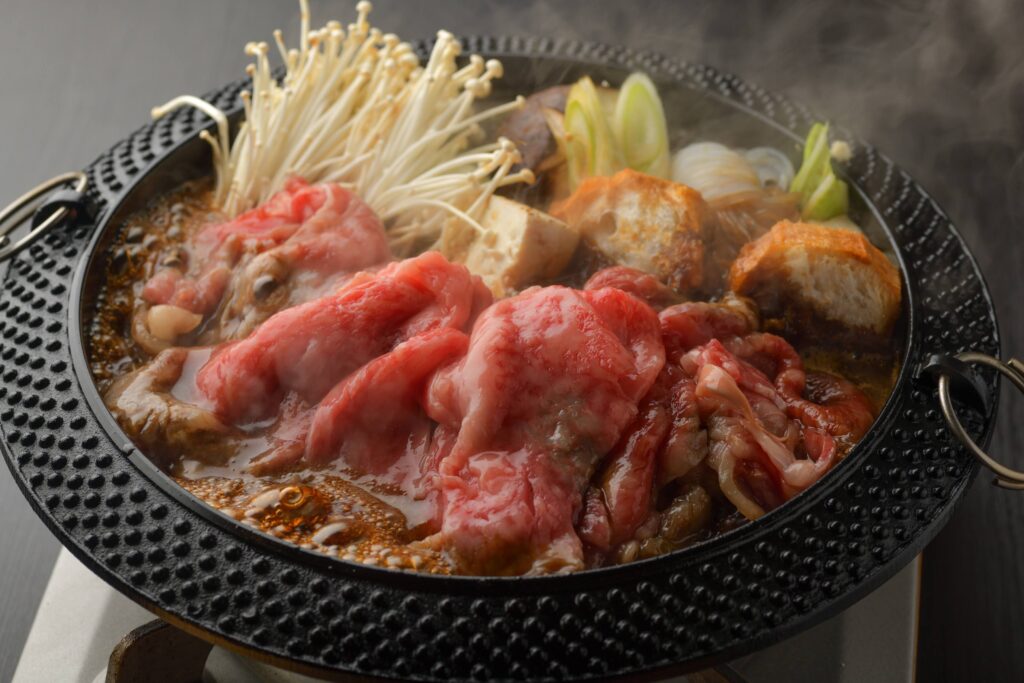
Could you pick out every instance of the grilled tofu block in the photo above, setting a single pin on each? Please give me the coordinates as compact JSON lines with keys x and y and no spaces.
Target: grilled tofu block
{"x":643,"y":222}
{"x":520,"y":246}
{"x":834,"y":276}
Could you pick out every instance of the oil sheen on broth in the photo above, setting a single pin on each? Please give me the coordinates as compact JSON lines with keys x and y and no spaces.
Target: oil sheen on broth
{"x":333,"y":511}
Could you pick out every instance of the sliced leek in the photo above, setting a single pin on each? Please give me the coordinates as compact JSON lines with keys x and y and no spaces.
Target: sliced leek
{"x":815,"y":161}
{"x":591,"y":147}
{"x":606,"y":130}
{"x":579,"y":143}
{"x":830,"y":199}
{"x":823,"y":195}
{"x":640,"y":127}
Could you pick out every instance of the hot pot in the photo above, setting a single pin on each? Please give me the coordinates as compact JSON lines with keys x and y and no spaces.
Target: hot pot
{"x":233,"y":585}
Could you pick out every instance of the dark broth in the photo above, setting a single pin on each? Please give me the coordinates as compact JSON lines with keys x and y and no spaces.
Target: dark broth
{"x":333,"y":511}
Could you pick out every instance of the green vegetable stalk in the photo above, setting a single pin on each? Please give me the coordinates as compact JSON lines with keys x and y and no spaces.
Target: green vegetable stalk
{"x":605,"y":131}
{"x":640,"y":126}
{"x":823,"y":195}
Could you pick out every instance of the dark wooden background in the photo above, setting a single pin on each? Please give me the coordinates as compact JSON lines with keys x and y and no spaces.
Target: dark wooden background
{"x":937,"y":85}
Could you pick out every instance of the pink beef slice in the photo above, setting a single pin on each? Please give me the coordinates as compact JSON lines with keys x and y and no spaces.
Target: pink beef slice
{"x":308,"y":349}
{"x":304,"y":238}
{"x":551,"y":380}
{"x":622,"y":497}
{"x":684,"y":327}
{"x":372,"y":421}
{"x":666,"y":439}
{"x":733,"y":398}
{"x":643,"y":286}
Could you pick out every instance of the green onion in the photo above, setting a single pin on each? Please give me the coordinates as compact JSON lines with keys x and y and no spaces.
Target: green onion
{"x":829,"y":200}
{"x":640,"y":127}
{"x":823,"y":195}
{"x":579,"y":142}
{"x":607,"y":130}
{"x":591,"y":148}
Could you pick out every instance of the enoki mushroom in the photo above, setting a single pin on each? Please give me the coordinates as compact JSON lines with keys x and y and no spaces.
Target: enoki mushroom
{"x":356,"y":107}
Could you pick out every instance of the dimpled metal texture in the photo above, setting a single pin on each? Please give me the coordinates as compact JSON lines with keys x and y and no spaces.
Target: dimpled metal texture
{"x":715,"y":601}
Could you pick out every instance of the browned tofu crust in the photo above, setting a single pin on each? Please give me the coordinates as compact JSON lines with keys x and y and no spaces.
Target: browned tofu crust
{"x":642,"y":221}
{"x":762,"y":269}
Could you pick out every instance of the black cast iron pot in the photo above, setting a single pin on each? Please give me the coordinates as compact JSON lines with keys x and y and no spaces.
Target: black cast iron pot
{"x":233,"y":585}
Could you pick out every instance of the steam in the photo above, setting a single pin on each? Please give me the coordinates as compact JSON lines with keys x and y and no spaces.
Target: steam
{"x":938,"y":85}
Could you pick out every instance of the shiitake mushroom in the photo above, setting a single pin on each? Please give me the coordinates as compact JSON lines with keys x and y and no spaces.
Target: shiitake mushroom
{"x":264,"y":286}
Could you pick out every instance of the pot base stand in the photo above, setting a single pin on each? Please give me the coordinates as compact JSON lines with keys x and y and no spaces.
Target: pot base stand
{"x":86,"y":631}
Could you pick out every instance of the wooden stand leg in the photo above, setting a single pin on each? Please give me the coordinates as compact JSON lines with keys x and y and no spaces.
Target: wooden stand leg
{"x":158,"y":653}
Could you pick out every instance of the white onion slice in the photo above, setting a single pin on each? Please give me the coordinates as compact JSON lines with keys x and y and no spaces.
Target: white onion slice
{"x":716,"y":171}
{"x":772,"y":166}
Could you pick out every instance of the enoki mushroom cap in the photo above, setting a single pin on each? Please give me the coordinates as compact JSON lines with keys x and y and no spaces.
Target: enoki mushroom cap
{"x":358,"y":108}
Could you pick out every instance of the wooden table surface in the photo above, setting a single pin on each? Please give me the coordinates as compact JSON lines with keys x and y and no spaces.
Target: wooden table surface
{"x":939,"y":86}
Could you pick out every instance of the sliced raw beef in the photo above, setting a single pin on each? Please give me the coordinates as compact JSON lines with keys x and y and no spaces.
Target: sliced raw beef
{"x":625,"y":488}
{"x":308,"y":349}
{"x":372,"y":419}
{"x":567,"y":425}
{"x":693,"y":323}
{"x":551,"y":380}
{"x":295,"y":247}
{"x":642,"y":285}
{"x":728,"y":398}
{"x":683,"y":327}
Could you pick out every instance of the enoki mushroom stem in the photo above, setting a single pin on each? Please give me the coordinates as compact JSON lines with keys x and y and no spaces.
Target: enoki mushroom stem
{"x":356,"y":107}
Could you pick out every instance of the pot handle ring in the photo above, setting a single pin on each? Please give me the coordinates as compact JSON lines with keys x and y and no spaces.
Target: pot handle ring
{"x":60,"y":205}
{"x":956,"y":369}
